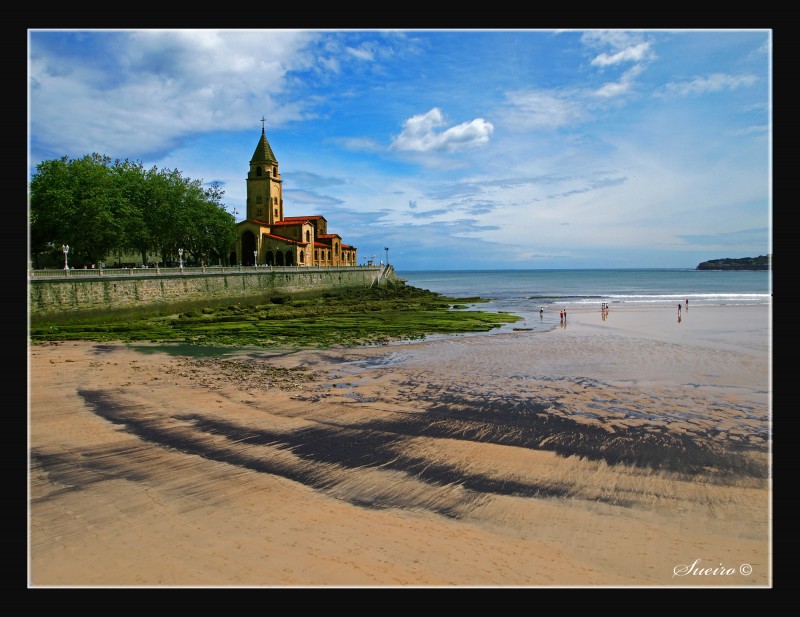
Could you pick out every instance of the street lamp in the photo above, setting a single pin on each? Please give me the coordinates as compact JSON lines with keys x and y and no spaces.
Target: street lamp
{"x":386,"y":248}
{"x":65,"y":248}
{"x":255,"y":259}
{"x":180,"y":257}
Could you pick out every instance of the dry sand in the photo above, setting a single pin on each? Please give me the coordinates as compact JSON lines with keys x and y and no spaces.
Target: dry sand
{"x":627,"y":451}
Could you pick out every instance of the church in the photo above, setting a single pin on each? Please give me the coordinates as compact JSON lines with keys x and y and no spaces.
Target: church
{"x":268,"y":237}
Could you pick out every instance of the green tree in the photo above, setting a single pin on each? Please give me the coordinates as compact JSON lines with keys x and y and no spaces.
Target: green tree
{"x":133,"y":189}
{"x":97,"y":208}
{"x":76,"y":202}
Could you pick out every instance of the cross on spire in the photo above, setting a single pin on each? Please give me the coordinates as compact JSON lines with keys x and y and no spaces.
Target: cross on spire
{"x":263,"y":120}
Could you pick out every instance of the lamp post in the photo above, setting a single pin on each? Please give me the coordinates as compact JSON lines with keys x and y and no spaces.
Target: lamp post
{"x":386,"y":248}
{"x":180,"y":257}
{"x":65,"y":248}
{"x":255,"y":259}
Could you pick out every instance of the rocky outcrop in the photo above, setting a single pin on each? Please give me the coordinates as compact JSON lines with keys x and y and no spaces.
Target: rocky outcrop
{"x":763,"y":262}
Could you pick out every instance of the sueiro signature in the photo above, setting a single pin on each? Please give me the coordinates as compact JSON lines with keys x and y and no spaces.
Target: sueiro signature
{"x":696,"y":569}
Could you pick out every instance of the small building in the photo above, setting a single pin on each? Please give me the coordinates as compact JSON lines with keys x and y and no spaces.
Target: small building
{"x":268,"y":237}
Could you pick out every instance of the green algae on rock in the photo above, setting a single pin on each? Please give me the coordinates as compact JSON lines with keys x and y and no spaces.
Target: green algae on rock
{"x":342,"y":317}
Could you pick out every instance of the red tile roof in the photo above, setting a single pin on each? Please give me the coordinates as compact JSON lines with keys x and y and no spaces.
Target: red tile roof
{"x":313,"y":217}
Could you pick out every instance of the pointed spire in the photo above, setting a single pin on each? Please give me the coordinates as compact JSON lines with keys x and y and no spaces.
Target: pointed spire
{"x":263,"y":153}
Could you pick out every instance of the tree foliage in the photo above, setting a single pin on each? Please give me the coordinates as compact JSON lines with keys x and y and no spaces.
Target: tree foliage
{"x":98,"y":208}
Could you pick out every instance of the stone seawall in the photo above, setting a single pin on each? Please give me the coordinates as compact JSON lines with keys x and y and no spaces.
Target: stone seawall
{"x":52,"y":297}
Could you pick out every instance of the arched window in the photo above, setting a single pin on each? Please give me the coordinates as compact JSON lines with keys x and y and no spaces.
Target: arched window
{"x":258,"y":171}
{"x":302,"y":257}
{"x":275,"y":170}
{"x":308,"y":236}
{"x":335,"y":248}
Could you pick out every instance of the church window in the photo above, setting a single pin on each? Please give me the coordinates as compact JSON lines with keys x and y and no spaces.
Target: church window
{"x":258,"y":171}
{"x":308,"y":236}
{"x":276,"y":212}
{"x":275,"y":170}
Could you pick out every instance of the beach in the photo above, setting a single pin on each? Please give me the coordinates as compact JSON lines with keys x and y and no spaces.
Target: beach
{"x":628,"y":449}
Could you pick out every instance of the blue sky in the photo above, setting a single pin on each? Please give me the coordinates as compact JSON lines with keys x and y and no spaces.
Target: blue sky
{"x":457,"y":149}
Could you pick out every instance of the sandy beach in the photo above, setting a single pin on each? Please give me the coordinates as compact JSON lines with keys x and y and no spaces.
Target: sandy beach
{"x":631,"y":450}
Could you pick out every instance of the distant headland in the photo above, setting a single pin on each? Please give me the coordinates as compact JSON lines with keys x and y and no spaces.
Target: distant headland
{"x":762,"y":262}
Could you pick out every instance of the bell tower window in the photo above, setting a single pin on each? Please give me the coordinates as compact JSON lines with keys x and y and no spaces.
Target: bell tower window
{"x":258,"y":171}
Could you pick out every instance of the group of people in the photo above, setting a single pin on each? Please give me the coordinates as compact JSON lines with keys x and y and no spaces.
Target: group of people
{"x":562,"y":314}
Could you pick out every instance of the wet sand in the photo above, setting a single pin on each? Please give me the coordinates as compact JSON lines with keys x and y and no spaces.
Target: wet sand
{"x":608,"y":452}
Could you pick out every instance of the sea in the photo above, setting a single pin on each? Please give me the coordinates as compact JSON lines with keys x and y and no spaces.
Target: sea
{"x":525,"y":292}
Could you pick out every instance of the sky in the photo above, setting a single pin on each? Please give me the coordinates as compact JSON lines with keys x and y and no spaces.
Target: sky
{"x":454,"y":149}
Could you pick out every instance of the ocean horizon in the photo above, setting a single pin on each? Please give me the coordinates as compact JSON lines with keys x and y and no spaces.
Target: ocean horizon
{"x":611,"y":285}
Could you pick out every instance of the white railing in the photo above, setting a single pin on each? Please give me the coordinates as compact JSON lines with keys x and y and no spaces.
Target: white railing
{"x":193,"y":271}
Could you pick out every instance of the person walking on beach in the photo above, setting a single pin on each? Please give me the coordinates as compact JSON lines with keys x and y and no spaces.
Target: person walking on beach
{"x":561,"y":315}
{"x":687,"y":304}
{"x":541,"y":311}
{"x":679,"y":308}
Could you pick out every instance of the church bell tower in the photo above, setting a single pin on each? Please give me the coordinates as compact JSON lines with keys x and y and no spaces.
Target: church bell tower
{"x":264,"y":184}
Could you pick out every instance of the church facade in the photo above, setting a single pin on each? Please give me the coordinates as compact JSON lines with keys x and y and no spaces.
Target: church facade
{"x":268,"y":237}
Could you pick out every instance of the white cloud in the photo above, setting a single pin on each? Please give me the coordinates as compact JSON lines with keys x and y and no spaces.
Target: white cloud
{"x":541,"y":109}
{"x":420,"y":133}
{"x":362,"y":53}
{"x":636,"y":53}
{"x":623,"y":85}
{"x":712,"y":83}
{"x":617,"y":39}
{"x":146,"y":90}
{"x":626,"y":48}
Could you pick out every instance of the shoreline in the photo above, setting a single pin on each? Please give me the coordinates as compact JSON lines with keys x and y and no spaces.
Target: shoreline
{"x":570,"y":457}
